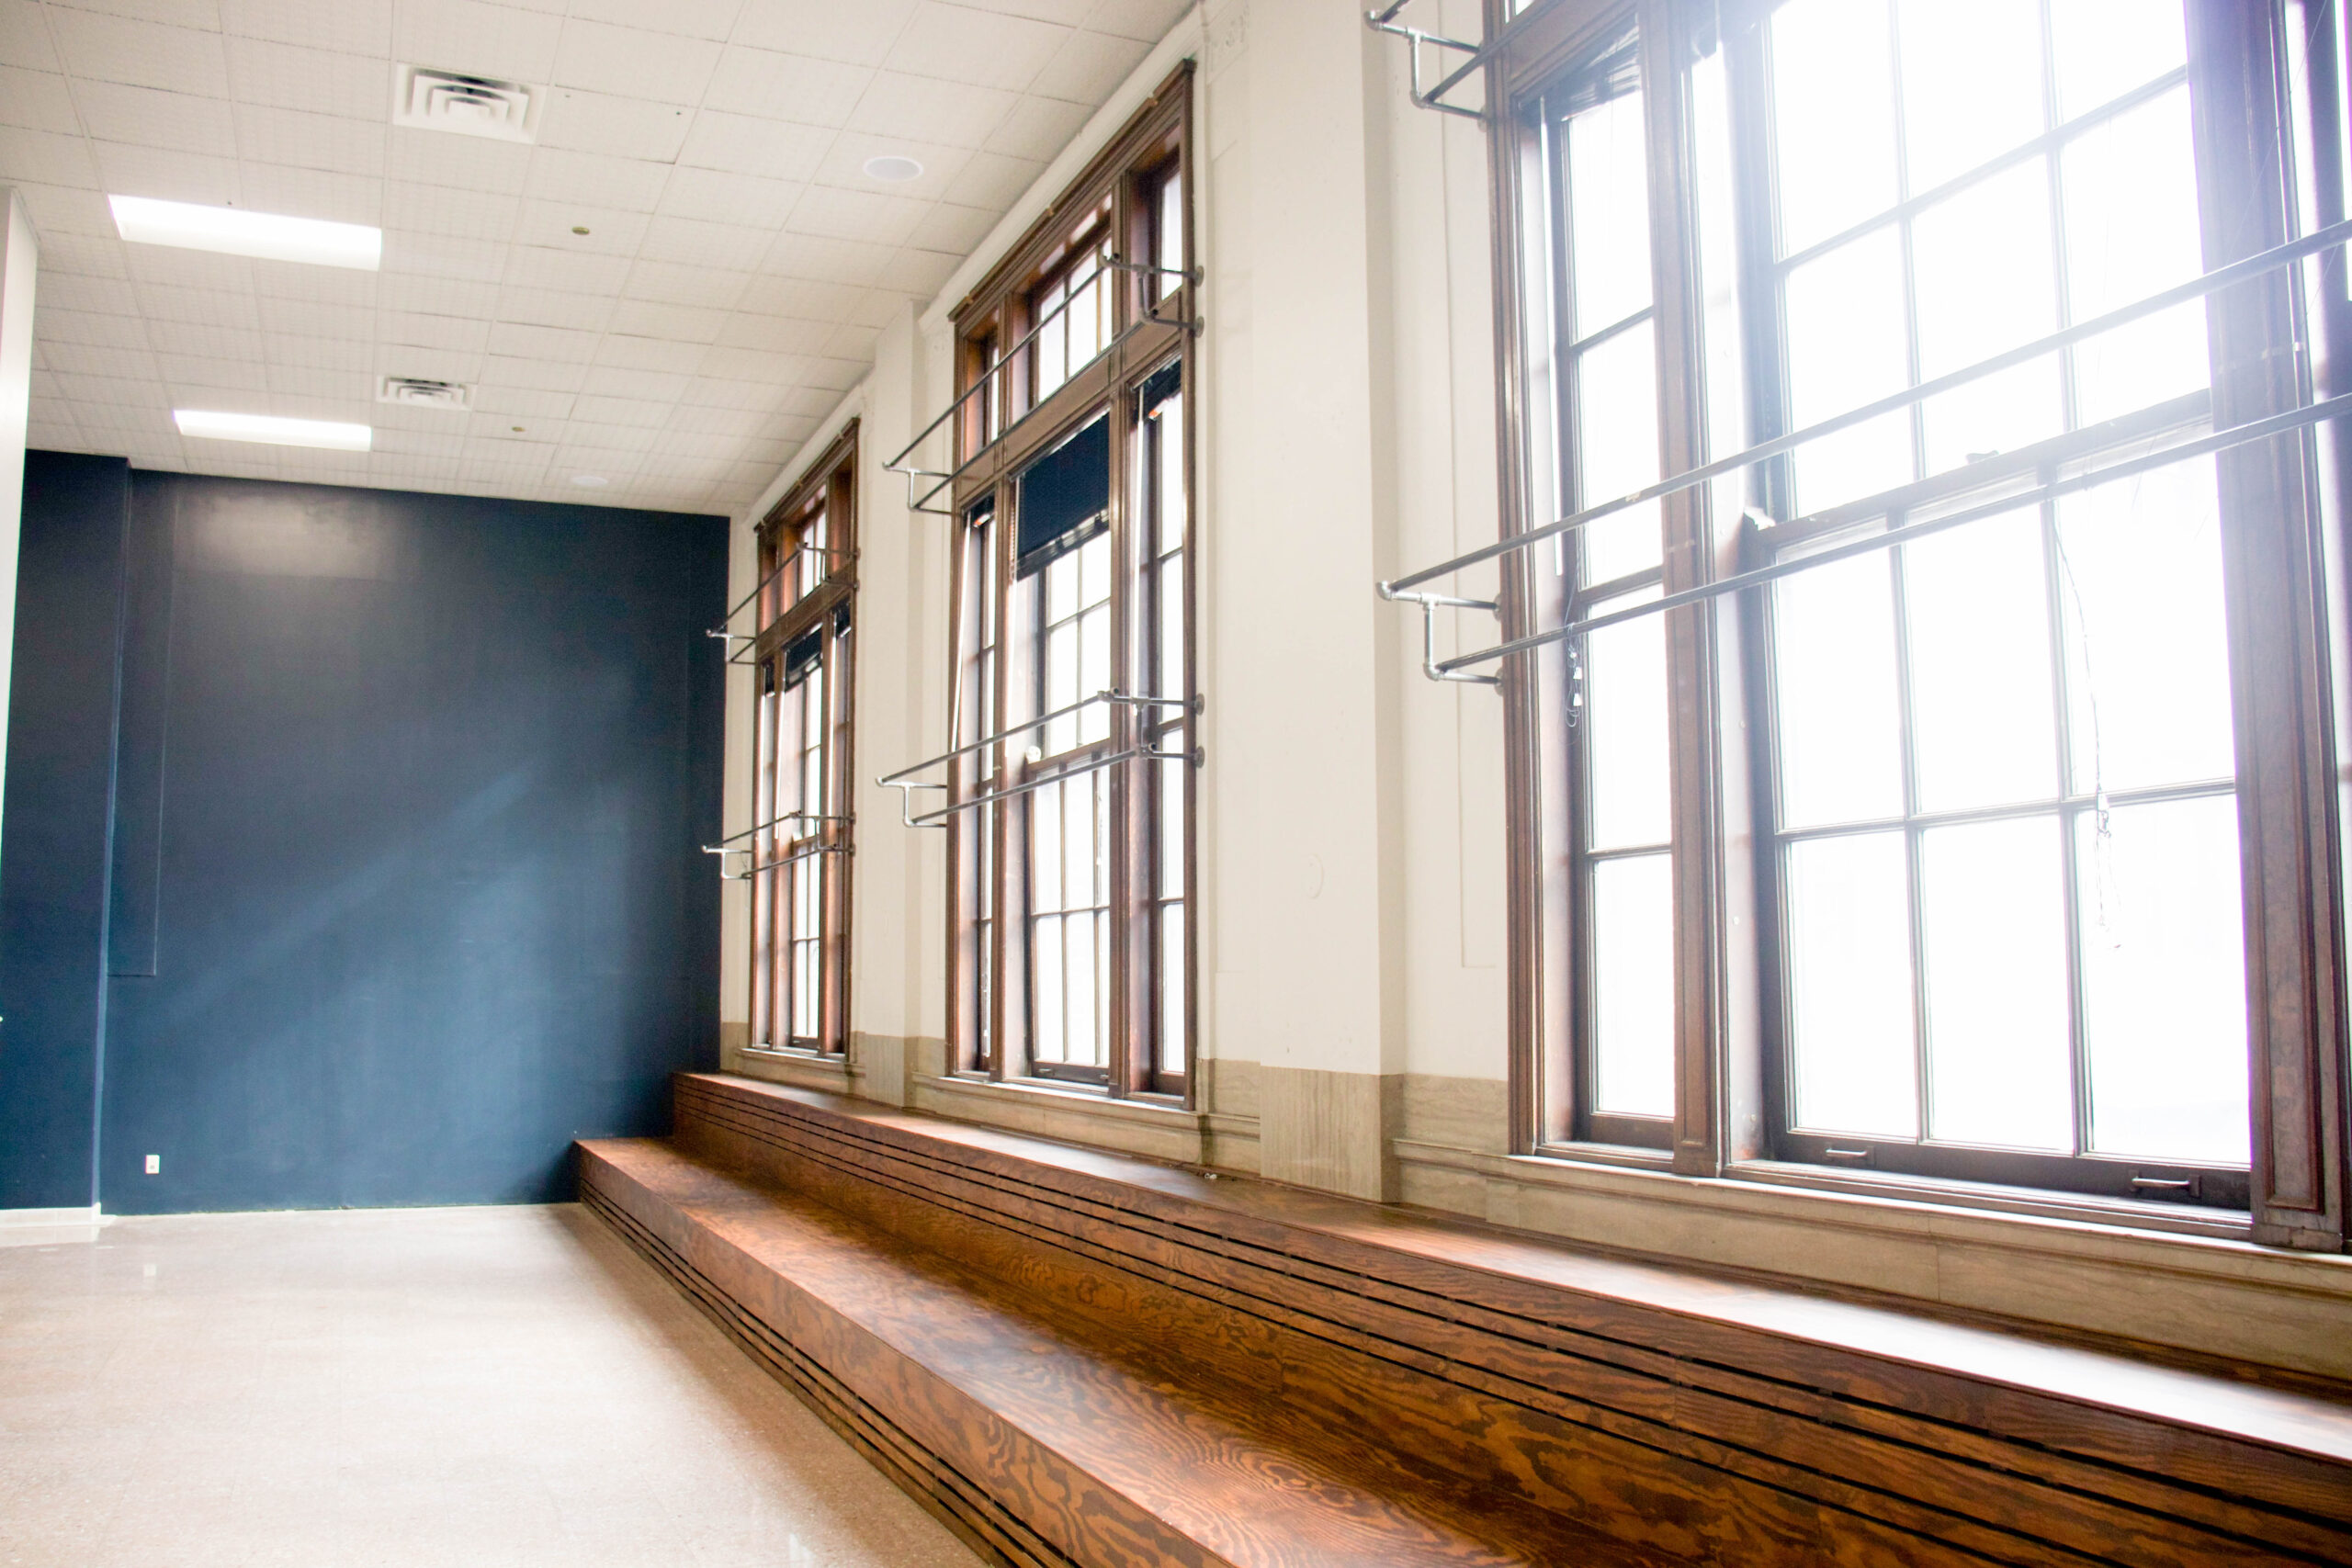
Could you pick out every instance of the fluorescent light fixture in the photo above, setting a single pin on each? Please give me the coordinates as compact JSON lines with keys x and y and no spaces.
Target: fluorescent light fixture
{"x":890,"y":166}
{"x":204,"y":426}
{"x":589,"y":482}
{"x":234,"y":231}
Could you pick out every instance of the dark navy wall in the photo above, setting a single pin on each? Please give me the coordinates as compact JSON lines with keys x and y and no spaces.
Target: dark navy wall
{"x":405,"y":889}
{"x":54,"y":826}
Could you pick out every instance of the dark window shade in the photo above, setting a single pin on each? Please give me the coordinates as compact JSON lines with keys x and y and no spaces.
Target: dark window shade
{"x":1164,"y":384}
{"x":1615,"y":74}
{"x":802,"y":657}
{"x":1066,"y":496}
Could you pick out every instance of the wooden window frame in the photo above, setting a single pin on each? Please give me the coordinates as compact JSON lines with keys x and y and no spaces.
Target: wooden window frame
{"x":1001,"y":431}
{"x":785,"y":614}
{"x":2285,"y":609}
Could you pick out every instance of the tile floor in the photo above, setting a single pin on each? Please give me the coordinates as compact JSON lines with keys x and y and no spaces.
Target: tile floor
{"x":420,"y":1387}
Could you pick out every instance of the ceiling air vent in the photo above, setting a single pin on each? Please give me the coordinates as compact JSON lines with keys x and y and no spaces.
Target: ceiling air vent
{"x":471,"y":106}
{"x":414,"y":393}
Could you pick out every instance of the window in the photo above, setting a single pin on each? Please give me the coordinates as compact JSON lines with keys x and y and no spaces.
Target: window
{"x":1928,"y":863}
{"x":799,"y":866}
{"x":1070,"y":807}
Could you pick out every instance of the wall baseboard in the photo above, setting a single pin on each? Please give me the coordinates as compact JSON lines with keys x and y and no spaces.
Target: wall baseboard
{"x":19,"y":1219}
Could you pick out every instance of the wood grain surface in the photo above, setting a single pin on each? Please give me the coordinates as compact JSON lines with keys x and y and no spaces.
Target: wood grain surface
{"x":1068,"y":1351}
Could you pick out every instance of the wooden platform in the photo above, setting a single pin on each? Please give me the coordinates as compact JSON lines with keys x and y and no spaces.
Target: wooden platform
{"x":1074,"y":1357}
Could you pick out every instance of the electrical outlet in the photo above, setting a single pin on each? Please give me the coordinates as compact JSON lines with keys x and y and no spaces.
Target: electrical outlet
{"x":155,"y":1165}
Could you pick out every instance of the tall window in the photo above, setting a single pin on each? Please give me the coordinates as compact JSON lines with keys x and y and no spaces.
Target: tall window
{"x":1070,"y":809}
{"x":799,"y":868}
{"x":1928,"y":863}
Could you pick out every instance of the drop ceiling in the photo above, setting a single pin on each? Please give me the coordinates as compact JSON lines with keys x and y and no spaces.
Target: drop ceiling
{"x":737,"y":264}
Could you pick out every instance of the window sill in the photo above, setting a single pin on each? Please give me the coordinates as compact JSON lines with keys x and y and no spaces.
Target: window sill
{"x":2097,"y":1271}
{"x":1155,"y":1126}
{"x":2179,"y":1219}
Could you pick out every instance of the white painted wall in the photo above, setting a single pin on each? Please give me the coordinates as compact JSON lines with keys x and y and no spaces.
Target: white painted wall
{"x":1351,"y":844}
{"x":20,"y":261}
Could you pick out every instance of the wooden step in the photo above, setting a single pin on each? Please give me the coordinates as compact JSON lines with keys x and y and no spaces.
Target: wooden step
{"x":1041,"y":1439}
{"x":1698,"y":1417}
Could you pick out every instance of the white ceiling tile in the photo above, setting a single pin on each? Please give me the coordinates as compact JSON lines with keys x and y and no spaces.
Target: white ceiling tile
{"x":46,"y":157}
{"x":773,"y":335}
{"x":303,"y":319}
{"x":771,"y":84}
{"x":695,"y":18}
{"x":610,"y":231}
{"x":145,"y":54}
{"x":198,"y":340}
{"x":305,"y":141}
{"x":1146,"y":19}
{"x":55,"y":325}
{"x":523,"y":402}
{"x":354,"y":27}
{"x":445,"y":209}
{"x":37,"y":100}
{"x":861,"y":34}
{"x":277,"y":280}
{"x":635,"y":63}
{"x":475,"y":303}
{"x":850,"y":340}
{"x":808,"y":401}
{"x":703,"y":391}
{"x":66,"y":210}
{"x":839,"y":375}
{"x":75,"y":291}
{"x":525,"y":373}
{"x":724,"y":361}
{"x":108,"y":391}
{"x":415,"y":329}
{"x":312,"y":193}
{"x":632,"y":185}
{"x":716,"y":197}
{"x":616,"y":381}
{"x":671,"y":283}
{"x":864,"y":216}
{"x":741,"y":145}
{"x":24,"y":36}
{"x":648,"y":414}
{"x":201,"y":307}
{"x":956,"y":44}
{"x":441,"y":256}
{"x":180,"y":268}
{"x":608,"y":461}
{"x":618,"y":127}
{"x":585,"y":313}
{"x":476,"y":38}
{"x":584,"y":272}
{"x":130,"y":363}
{"x":312,"y":381}
{"x":843,"y":167}
{"x":287,"y":77}
{"x":427,"y":364}
{"x":704,"y":420}
{"x":471,"y":162}
{"x":679,"y":323}
{"x":920,"y":272}
{"x":45,"y":436}
{"x":728,"y":245}
{"x":333,"y":353}
{"x":1038,"y":129}
{"x":99,"y":255}
{"x":1088,"y":66}
{"x":922,"y":108}
{"x":994,"y":181}
{"x":1068,"y":12}
{"x":170,"y":175}
{"x":557,"y":343}
{"x":650,"y":353}
{"x":181,"y":371}
{"x":202,"y":14}
{"x":820,"y":260}
{"x":960,"y":230}
{"x":800,"y":296}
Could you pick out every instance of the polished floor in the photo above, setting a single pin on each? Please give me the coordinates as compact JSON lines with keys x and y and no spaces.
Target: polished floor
{"x":405,"y":1387}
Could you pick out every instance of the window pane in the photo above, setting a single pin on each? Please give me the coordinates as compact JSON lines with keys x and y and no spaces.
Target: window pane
{"x":1833,"y":100}
{"x":1171,"y":824}
{"x":1976,"y":602}
{"x":1846,"y":334}
{"x":1172,"y":988}
{"x":1080,"y":855}
{"x":2131,"y":231}
{"x":2164,"y":981}
{"x":2148,"y":667}
{"x":1832,"y":643}
{"x":1078,"y":973}
{"x":1972,"y":83}
{"x":1991,"y":904}
{"x":2106,"y":48}
{"x":1986,"y":282}
{"x":1850,"y":987}
{"x":1608,"y":246}
{"x":1617,"y":444}
{"x":1632,"y":963}
{"x":1626,"y":710}
{"x":1046,"y":848}
{"x":1048,"y":1000}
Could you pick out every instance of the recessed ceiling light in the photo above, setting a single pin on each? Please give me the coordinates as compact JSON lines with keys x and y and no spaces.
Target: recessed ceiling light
{"x":890,"y":166}
{"x":589,"y":482}
{"x":272,"y":431}
{"x":234,"y":231}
